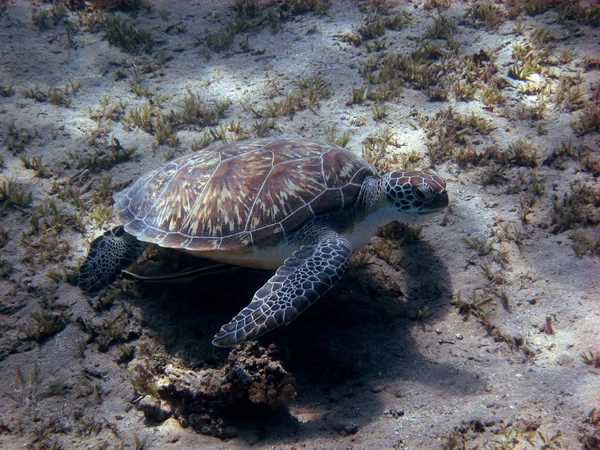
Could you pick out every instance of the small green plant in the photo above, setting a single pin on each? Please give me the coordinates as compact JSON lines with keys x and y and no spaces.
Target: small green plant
{"x":313,"y":89}
{"x":3,"y":237}
{"x":17,"y":138}
{"x":28,"y":385}
{"x":142,"y":117}
{"x":572,"y":208}
{"x":165,"y":132}
{"x":437,"y":4}
{"x":35,"y":163}
{"x":566,"y":56}
{"x":105,"y":156}
{"x":486,"y":14}
{"x":568,"y":93}
{"x":417,"y":69}
{"x":590,"y":162}
{"x":164,"y":13}
{"x":55,"y":95}
{"x":523,"y":153}
{"x":104,"y":301}
{"x":204,"y":141}
{"x":442,"y":28}
{"x":437,"y":93}
{"x":341,"y":141}
{"x":590,"y":358}
{"x":535,"y":111}
{"x":464,"y":91}
{"x":583,"y":244}
{"x":374,"y":28}
{"x":216,"y":41}
{"x":481,"y":245}
{"x":588,"y":120}
{"x":535,"y":7}
{"x":108,"y":333}
{"x":448,"y":131}
{"x":39,"y":18}
{"x":7,"y":91}
{"x":541,"y":36}
{"x":492,"y":97}
{"x":522,"y":70}
{"x":195,"y":111}
{"x":526,"y":203}
{"x":58,"y":386}
{"x":475,"y":307}
{"x":380,"y":112}
{"x":12,"y":195}
{"x":120,"y":33}
{"x":108,"y":110}
{"x":261,"y":128}
{"x":591,"y":62}
{"x":87,"y":426}
{"x":48,"y":323}
{"x":589,"y":15}
{"x":59,"y":97}
{"x":307,"y":95}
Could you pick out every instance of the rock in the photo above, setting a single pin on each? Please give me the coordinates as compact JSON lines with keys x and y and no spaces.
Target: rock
{"x":153,"y":409}
{"x":377,"y":388}
{"x":397,"y":412}
{"x":564,"y":359}
{"x":348,"y":429}
{"x":207,"y":399}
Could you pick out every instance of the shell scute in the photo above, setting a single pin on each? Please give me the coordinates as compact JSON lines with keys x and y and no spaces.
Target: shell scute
{"x":350,"y":195}
{"x":289,"y":186}
{"x":152,"y":235}
{"x":328,"y":202}
{"x":297,"y":218}
{"x":272,"y":232}
{"x":292,"y":149}
{"x":173,"y":240}
{"x":136,"y":227}
{"x":141,"y":195}
{"x":241,"y":240}
{"x":222,"y":206}
{"x":340,"y":166}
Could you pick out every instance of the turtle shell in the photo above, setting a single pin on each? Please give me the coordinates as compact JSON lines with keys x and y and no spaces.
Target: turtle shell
{"x":234,"y":196}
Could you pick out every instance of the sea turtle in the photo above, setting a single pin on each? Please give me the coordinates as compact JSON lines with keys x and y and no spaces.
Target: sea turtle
{"x":294,"y":205}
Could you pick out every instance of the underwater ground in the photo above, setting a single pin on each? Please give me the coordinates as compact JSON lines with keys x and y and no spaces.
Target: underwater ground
{"x":479,"y":330}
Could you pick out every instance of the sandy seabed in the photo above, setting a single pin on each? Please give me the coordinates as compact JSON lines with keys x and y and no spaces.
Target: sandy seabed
{"x":483,"y":330}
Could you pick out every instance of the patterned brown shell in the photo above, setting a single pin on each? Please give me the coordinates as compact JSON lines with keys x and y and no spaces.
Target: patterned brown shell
{"x":238,"y":195}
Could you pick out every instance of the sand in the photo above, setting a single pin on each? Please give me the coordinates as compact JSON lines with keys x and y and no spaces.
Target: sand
{"x":426,"y":343}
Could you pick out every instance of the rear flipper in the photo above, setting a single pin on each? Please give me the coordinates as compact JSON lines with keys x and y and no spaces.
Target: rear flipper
{"x":303,"y":278}
{"x":109,"y":254}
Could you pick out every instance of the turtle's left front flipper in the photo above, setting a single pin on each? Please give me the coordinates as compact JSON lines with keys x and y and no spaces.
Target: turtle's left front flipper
{"x":303,"y":278}
{"x":109,"y":254}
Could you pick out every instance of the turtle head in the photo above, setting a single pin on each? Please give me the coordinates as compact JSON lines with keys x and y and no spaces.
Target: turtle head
{"x":416,"y":195}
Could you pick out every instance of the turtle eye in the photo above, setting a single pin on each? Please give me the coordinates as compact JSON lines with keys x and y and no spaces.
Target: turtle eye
{"x":423,"y":192}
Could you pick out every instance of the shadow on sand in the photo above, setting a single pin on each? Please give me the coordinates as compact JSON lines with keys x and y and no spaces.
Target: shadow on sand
{"x":355,"y":339}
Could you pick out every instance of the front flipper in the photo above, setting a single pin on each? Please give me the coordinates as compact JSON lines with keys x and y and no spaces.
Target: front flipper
{"x":109,"y":254}
{"x":303,"y":278}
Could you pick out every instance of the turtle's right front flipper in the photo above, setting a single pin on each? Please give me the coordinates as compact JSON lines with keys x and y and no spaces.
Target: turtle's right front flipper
{"x":109,"y":254}
{"x":303,"y":278}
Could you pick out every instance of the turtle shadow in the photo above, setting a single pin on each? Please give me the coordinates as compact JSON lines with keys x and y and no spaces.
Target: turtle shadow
{"x":354,"y":342}
{"x":360,"y":340}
